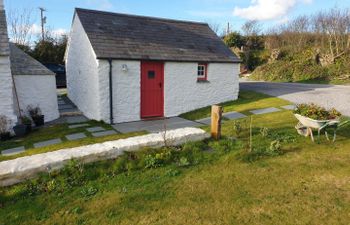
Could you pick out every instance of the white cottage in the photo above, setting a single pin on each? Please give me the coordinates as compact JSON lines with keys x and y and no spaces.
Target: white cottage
{"x":123,"y":68}
{"x":23,"y":80}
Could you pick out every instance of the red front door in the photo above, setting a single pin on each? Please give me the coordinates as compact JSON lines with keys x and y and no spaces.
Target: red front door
{"x":152,"y":95}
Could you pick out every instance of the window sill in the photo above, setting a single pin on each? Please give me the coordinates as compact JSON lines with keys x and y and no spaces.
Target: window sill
{"x":203,"y":81}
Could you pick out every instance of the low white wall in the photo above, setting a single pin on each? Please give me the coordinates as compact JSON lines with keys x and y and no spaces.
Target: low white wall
{"x":126,"y":90}
{"x":6,"y":90}
{"x":183,"y":93}
{"x":39,"y":91}
{"x":82,"y":72}
{"x":18,"y":170}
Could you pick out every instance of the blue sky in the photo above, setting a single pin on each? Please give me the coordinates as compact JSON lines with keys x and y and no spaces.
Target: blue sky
{"x":59,"y":12}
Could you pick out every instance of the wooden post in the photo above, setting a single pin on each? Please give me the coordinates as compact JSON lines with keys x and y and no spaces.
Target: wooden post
{"x":216,"y":115}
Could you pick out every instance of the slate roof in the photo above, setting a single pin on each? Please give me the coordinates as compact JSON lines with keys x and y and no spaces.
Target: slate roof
{"x":23,"y":64}
{"x":121,"y":36}
{"x":4,"y":41}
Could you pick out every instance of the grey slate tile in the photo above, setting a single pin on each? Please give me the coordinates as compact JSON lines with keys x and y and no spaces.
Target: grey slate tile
{"x":13,"y":151}
{"x":76,"y":119}
{"x":233,"y":115}
{"x":264,"y":111}
{"x":78,"y":125}
{"x":77,"y":136}
{"x":95,"y":129}
{"x":288,"y":107}
{"x":47,"y":143}
{"x":206,"y":121}
{"x":154,"y":126}
{"x":104,"y":133}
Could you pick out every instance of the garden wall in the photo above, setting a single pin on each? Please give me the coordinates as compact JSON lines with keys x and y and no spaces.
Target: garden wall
{"x":21,"y":169}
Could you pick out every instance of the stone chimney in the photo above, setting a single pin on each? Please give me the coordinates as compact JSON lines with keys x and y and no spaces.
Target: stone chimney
{"x":1,"y":4}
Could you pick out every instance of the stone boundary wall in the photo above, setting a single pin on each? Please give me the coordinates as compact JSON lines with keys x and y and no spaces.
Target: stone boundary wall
{"x":21,"y":169}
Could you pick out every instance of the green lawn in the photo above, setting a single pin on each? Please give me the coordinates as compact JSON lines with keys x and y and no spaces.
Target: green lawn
{"x":57,"y":131}
{"x":307,"y":183}
{"x":247,"y":101}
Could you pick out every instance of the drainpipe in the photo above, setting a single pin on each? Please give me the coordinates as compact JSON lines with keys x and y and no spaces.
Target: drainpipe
{"x":110,"y":91}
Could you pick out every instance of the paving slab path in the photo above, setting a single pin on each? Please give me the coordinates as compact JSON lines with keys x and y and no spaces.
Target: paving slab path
{"x":154,"y":126}
{"x":13,"y":151}
{"x":329,"y":96}
{"x":47,"y":143}
{"x":265,"y":111}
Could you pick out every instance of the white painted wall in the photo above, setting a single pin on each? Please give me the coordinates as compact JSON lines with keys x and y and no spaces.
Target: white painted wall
{"x":39,"y":91}
{"x":183,"y":93}
{"x":126,"y":90}
{"x":82,"y":72}
{"x":6,"y":90}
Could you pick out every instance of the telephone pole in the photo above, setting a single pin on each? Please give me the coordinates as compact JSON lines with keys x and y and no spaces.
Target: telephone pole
{"x":43,"y":21}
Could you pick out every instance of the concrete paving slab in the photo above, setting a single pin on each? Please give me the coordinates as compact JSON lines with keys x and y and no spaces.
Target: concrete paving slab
{"x":104,"y":133}
{"x":288,"y":107}
{"x":78,"y":125}
{"x":47,"y":143}
{"x":206,"y":121}
{"x":233,"y":115}
{"x":95,"y":129}
{"x":76,"y":136}
{"x":265,"y":111}
{"x":155,"y":126}
{"x":13,"y":151}
{"x":76,"y":119}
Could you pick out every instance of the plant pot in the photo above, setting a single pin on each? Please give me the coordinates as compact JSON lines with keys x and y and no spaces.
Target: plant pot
{"x":20,"y":130}
{"x":39,"y":120}
{"x":5,"y":136}
{"x":28,"y":128}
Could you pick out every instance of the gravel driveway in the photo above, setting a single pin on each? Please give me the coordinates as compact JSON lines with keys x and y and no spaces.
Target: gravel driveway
{"x":328,"y":96}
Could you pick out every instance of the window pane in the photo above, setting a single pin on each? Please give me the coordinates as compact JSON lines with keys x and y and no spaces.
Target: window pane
{"x":151,"y":74}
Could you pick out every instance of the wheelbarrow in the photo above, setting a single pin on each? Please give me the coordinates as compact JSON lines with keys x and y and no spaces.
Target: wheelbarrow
{"x":305,"y":126}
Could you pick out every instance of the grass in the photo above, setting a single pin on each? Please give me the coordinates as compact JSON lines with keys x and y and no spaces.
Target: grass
{"x":246,"y":102}
{"x":308,"y":184}
{"x":326,"y":81}
{"x":58,"y":131}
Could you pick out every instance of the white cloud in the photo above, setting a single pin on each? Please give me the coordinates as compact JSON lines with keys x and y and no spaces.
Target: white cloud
{"x":36,"y":30}
{"x":267,"y":9}
{"x":101,"y":4}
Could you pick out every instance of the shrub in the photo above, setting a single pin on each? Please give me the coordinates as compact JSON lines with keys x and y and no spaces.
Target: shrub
{"x":89,"y":191}
{"x":316,"y":112}
{"x":158,"y":159}
{"x":264,"y":131}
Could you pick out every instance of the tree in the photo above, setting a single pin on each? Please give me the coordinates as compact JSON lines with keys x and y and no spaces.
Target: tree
{"x":50,"y":50}
{"x":20,"y":26}
{"x":234,"y":39}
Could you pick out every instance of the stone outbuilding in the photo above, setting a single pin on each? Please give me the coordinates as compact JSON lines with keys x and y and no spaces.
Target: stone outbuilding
{"x":123,"y":68}
{"x":23,"y":80}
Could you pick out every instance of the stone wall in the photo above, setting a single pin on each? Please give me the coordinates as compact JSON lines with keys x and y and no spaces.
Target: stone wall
{"x":183,"y":93}
{"x":39,"y":91}
{"x":82,"y":72}
{"x":18,"y":170}
{"x":126,"y":90}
